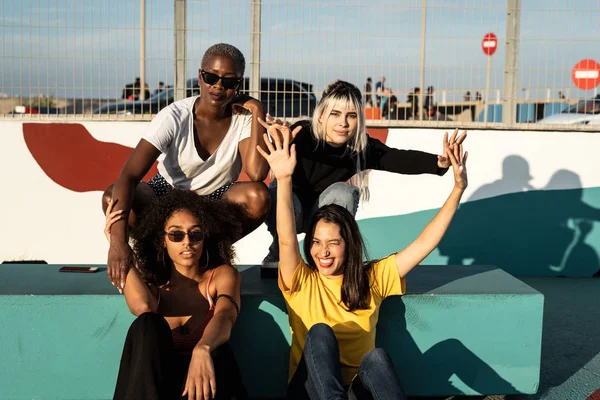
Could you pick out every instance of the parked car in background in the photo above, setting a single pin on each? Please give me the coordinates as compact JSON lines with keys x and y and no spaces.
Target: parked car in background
{"x":149,"y":106}
{"x":283,"y":98}
{"x":36,"y":110}
{"x":584,"y":112}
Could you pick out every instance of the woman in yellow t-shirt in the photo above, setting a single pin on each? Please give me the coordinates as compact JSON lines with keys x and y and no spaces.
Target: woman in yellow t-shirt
{"x":333,"y":301}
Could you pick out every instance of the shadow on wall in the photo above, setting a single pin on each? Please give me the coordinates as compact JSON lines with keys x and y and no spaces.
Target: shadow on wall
{"x":434,"y":367}
{"x":528,"y":231}
{"x":261,"y":337}
{"x":508,"y":223}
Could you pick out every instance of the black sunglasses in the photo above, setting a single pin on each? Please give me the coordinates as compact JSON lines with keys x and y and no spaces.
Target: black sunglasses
{"x":177,"y":236}
{"x":228,"y":83}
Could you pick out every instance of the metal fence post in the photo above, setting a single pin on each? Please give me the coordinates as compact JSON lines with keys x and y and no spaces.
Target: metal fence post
{"x":142,"y":92}
{"x":422,"y":70}
{"x":180,"y":49}
{"x":255,"y":50}
{"x":511,"y":62}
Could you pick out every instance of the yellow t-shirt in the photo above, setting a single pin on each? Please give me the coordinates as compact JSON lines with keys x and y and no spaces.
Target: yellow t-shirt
{"x":314,"y":299}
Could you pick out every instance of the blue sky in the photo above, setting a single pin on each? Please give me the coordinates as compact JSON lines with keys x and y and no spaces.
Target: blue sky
{"x":90,"y":48}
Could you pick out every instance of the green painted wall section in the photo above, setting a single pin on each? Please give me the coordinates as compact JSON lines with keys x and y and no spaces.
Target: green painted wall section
{"x":536,"y":233}
{"x":451,"y":338}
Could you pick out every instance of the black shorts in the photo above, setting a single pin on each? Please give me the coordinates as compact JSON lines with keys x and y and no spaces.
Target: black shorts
{"x":160,"y":186}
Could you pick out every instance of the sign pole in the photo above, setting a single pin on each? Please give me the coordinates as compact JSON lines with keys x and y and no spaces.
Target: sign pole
{"x":489,"y":46}
{"x":487,"y":88}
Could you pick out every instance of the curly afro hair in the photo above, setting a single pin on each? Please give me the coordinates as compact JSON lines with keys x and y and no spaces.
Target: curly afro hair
{"x":219,"y":220}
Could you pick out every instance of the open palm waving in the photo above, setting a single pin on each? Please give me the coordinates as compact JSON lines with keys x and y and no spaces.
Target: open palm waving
{"x":281,"y":156}
{"x":458,"y":159}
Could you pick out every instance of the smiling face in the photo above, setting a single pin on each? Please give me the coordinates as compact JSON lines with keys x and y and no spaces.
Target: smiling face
{"x":216,"y":94}
{"x":186,"y":253}
{"x":328,"y":249}
{"x":341,"y":123}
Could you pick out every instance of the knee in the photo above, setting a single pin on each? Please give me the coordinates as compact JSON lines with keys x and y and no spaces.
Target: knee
{"x":376,"y":358}
{"x":149,"y":325}
{"x":107,"y":196}
{"x":257,"y":200}
{"x":342,"y":194}
{"x":321,"y":333}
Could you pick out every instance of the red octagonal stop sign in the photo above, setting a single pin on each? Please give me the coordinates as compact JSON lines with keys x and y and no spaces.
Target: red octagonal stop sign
{"x":586,"y":74}
{"x":489,"y":44}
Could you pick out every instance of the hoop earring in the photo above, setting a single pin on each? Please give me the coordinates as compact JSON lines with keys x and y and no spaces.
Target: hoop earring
{"x":207,"y":258}
{"x":164,"y":260}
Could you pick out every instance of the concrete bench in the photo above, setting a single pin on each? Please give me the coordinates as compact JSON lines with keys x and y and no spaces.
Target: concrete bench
{"x":460,"y":330}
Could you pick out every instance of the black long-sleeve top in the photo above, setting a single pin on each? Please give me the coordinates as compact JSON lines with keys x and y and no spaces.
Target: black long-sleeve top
{"x":320,"y":165}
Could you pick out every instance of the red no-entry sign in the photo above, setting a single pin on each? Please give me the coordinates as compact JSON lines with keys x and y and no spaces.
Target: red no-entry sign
{"x":586,"y":74}
{"x":489,"y":44}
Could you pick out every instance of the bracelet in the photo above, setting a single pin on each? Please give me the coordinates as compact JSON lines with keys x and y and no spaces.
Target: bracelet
{"x":231,"y":299}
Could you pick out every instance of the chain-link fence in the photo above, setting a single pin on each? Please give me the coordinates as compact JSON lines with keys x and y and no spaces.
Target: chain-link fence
{"x":500,"y":64}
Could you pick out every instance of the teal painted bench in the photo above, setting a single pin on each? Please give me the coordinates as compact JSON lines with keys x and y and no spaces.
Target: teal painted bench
{"x":460,"y":330}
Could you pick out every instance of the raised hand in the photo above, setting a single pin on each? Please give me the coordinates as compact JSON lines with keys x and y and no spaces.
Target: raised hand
{"x":281,"y":156}
{"x":455,"y":139}
{"x":458,"y":159}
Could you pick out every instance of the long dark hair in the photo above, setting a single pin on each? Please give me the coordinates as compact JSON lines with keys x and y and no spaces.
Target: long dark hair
{"x":355,"y":284}
{"x":219,"y":220}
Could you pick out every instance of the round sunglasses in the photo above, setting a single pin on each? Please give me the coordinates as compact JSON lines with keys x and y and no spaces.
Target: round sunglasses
{"x":228,"y":83}
{"x":178,"y":236}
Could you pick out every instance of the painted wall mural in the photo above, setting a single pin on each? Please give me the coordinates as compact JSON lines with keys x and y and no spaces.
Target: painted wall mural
{"x":532,"y":206}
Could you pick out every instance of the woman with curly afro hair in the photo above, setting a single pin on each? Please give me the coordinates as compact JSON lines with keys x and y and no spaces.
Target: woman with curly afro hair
{"x":185,"y":295}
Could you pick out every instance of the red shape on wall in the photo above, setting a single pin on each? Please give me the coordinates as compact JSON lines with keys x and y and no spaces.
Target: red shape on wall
{"x":74,"y":159}
{"x":595,"y":395}
{"x":378,"y":133}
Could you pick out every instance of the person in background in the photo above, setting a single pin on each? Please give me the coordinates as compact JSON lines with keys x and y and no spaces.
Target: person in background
{"x":379,"y":89}
{"x":161,"y":87}
{"x":368,"y":93}
{"x":413,"y":99}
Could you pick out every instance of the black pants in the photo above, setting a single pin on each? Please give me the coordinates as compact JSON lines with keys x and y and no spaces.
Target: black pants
{"x":151,"y":369}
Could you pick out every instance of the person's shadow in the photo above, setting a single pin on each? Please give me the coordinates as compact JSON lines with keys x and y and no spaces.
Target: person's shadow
{"x":434,"y":367}
{"x":525,"y":232}
{"x":515,"y":179}
{"x":261,"y":336}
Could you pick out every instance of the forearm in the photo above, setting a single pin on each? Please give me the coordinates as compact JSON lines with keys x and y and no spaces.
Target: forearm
{"x":256,"y":166}
{"x":437,"y":227}
{"x":411,"y":162}
{"x":137,"y":294}
{"x":123,"y":191}
{"x":217,"y":331}
{"x":286,"y":223}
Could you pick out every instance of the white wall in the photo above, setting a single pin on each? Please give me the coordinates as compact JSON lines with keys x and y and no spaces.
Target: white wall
{"x":43,"y":220}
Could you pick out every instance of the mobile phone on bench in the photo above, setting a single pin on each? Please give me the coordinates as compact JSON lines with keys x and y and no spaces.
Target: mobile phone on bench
{"x":78,"y":269}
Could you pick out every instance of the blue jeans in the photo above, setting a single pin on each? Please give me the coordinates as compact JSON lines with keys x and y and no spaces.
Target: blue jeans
{"x":318,"y":376}
{"x":340,"y":193}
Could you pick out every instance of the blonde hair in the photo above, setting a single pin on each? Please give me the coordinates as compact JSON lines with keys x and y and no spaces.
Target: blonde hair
{"x":345,"y":95}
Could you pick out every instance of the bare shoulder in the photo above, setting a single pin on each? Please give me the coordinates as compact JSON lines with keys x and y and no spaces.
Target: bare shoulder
{"x":226,"y":273}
